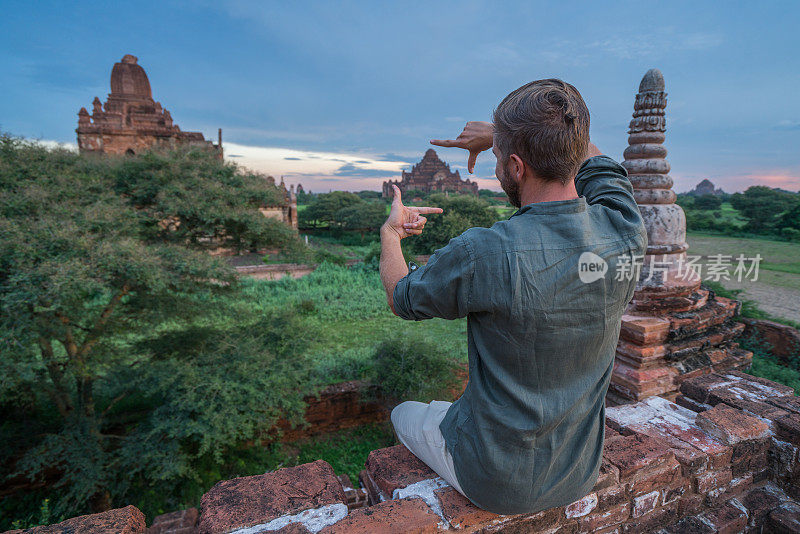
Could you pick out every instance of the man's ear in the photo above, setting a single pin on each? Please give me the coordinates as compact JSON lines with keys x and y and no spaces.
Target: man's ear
{"x":516,"y":168}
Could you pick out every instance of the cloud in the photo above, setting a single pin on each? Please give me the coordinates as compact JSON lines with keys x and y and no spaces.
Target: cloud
{"x":350,"y":169}
{"x":787,"y":124}
{"x":56,"y":144}
{"x":354,"y":171}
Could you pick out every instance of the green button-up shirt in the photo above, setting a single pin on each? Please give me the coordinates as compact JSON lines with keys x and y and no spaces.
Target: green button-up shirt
{"x":542,"y":328}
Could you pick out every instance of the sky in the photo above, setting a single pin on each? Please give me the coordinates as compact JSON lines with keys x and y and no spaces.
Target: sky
{"x":343,"y":95}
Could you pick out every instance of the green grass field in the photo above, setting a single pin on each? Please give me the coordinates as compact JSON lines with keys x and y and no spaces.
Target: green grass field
{"x":777,"y":289}
{"x":346,"y":316}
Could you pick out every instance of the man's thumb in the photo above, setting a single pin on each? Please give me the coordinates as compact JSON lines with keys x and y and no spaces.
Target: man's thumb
{"x":473,"y":157}
{"x":397,"y":198}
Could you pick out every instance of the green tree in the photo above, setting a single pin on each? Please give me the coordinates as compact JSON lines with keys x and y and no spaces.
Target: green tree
{"x":790,"y":219}
{"x":707,"y":202}
{"x":96,"y":255}
{"x":460,"y":213}
{"x":366,"y":216}
{"x":323,"y":209}
{"x":762,"y":206}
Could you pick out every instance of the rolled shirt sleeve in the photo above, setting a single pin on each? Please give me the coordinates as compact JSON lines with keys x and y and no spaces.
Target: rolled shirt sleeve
{"x":442,"y":288}
{"x":601,"y":180}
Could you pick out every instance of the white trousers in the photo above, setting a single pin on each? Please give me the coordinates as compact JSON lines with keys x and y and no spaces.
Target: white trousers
{"x":417,"y":427}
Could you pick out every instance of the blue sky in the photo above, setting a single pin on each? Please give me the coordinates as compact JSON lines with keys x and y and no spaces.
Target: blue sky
{"x":341,"y":95}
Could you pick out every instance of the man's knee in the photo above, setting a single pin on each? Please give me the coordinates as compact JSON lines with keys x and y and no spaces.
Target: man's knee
{"x":397,"y":412}
{"x":405,"y":417}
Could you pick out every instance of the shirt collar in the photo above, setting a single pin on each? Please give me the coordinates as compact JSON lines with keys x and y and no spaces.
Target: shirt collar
{"x":553,"y":207}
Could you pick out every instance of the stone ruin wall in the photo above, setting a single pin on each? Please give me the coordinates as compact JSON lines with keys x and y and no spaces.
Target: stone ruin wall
{"x":724,"y":458}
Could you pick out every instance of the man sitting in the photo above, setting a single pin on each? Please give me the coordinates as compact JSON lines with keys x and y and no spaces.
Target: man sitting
{"x":527,"y":434}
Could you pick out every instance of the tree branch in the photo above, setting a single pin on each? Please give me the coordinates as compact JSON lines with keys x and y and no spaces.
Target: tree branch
{"x":105,"y":315}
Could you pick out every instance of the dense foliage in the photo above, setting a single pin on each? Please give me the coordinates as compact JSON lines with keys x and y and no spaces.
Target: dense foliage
{"x":759,"y":210}
{"x":461,"y":212}
{"x":344,"y":211}
{"x":414,"y":369}
{"x":113,"y":375}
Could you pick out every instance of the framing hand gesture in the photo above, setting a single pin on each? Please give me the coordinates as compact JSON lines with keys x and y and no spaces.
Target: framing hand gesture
{"x":476,"y":137}
{"x":407,"y":220}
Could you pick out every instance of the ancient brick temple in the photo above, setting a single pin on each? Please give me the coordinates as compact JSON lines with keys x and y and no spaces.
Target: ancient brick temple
{"x":430,"y":175}
{"x":673,"y":329}
{"x":130,"y":121}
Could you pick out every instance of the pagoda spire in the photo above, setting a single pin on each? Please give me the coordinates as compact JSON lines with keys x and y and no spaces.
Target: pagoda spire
{"x":665,"y":273}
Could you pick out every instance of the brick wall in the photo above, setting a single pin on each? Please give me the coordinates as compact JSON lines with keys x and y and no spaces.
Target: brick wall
{"x":724,"y":458}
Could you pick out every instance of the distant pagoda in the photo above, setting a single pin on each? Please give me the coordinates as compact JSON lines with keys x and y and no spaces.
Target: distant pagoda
{"x":130,"y":121}
{"x":430,"y":175}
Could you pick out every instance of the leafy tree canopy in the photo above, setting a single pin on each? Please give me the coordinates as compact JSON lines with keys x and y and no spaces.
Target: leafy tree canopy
{"x":460,"y":213}
{"x":762,"y":206}
{"x":100,"y":258}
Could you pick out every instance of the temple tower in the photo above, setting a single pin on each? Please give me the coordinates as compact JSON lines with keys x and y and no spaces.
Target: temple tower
{"x":673,"y":329}
{"x":130,"y":121}
{"x":665,"y":279}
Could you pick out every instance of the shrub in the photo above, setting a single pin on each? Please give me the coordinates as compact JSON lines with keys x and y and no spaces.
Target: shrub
{"x":460,"y":213}
{"x":408,"y":368}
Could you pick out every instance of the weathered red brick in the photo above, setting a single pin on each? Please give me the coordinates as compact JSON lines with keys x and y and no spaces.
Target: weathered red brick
{"x":648,"y":479}
{"x":671,"y":494}
{"x":770,"y":387}
{"x":128,"y":520}
{"x":712,"y":480}
{"x":698,"y":388}
{"x":732,"y":426}
{"x":659,"y":518}
{"x":759,"y":502}
{"x":460,"y":512}
{"x":633,"y":453}
{"x":602,"y":519}
{"x":180,"y":522}
{"x":611,"y":496}
{"x":249,"y":501}
{"x":740,"y":484}
{"x":691,"y":404}
{"x":719,"y":454}
{"x":608,"y":476}
{"x":785,"y":519}
{"x":581,"y":507}
{"x":750,"y":464}
{"x":789,"y":403}
{"x":551,"y":520}
{"x":692,"y":459}
{"x":726,"y":519}
{"x":644,"y":330}
{"x":690,"y":525}
{"x":789,"y":428}
{"x":690,"y":504}
{"x":411,"y":516}
{"x":645,"y":503}
{"x":396,"y":467}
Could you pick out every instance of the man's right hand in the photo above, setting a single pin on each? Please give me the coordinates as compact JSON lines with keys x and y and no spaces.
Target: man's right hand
{"x":476,"y":137}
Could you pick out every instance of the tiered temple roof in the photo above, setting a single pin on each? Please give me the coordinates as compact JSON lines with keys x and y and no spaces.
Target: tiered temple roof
{"x":430,"y":175}
{"x":130,"y":121}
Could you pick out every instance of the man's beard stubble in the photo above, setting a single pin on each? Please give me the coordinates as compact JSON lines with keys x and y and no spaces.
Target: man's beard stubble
{"x":511,"y":188}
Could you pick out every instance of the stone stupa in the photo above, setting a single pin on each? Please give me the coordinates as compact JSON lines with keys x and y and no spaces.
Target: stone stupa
{"x":673,"y":329}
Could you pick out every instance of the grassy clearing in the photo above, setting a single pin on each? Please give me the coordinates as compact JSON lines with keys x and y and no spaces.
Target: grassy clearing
{"x":777,"y":289}
{"x":345,"y":317}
